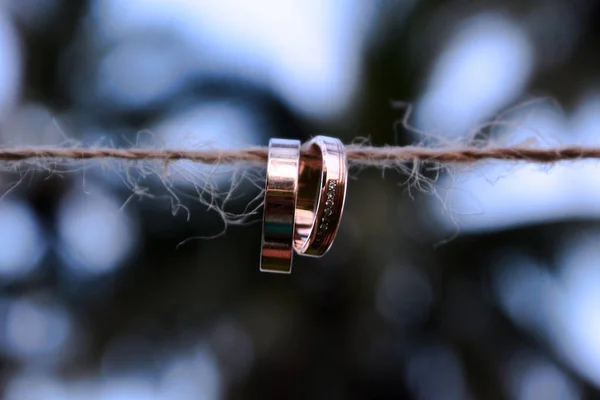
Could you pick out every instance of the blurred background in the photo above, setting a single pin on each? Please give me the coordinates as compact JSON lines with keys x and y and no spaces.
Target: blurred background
{"x":122,"y":281}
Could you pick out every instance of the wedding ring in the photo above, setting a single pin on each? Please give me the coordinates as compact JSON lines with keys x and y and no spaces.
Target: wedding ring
{"x":280,"y":206}
{"x":321,"y":195}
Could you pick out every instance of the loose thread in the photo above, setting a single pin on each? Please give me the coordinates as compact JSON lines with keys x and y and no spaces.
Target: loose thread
{"x":357,"y":155}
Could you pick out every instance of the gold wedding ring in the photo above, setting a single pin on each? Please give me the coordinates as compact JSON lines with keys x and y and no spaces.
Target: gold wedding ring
{"x":281,"y":192}
{"x":321,"y":195}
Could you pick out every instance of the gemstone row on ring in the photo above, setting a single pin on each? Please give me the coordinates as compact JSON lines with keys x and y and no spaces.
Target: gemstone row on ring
{"x":328,"y":211}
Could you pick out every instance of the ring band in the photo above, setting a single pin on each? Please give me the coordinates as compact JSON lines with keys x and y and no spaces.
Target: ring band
{"x":321,"y":195}
{"x":280,"y":206}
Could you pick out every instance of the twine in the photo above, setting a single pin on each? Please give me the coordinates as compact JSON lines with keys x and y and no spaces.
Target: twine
{"x":357,"y":155}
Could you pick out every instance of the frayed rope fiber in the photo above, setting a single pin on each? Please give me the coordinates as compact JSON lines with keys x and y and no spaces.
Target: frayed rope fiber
{"x":357,"y":155}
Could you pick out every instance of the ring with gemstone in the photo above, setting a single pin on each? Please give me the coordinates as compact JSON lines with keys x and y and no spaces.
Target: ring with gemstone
{"x":321,"y":194}
{"x":280,"y":206}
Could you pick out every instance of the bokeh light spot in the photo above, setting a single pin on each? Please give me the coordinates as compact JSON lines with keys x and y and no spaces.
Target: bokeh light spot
{"x":485,"y":65}
{"x":216,"y":124}
{"x":96,"y":235}
{"x":36,"y":329}
{"x":22,"y":244}
{"x":532,"y":377}
{"x":10,"y":73}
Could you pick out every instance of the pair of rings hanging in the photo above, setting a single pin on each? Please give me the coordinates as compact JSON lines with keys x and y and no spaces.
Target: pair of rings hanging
{"x":304,"y":199}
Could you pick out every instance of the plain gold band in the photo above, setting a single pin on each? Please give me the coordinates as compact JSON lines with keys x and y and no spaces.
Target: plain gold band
{"x":281,"y":192}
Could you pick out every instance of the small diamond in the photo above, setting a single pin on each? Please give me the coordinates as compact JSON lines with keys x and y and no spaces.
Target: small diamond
{"x":329,"y":203}
{"x":330,"y":195}
{"x":332,"y":185}
{"x":328,"y":211}
{"x":325,"y":219}
{"x":324,"y":226}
